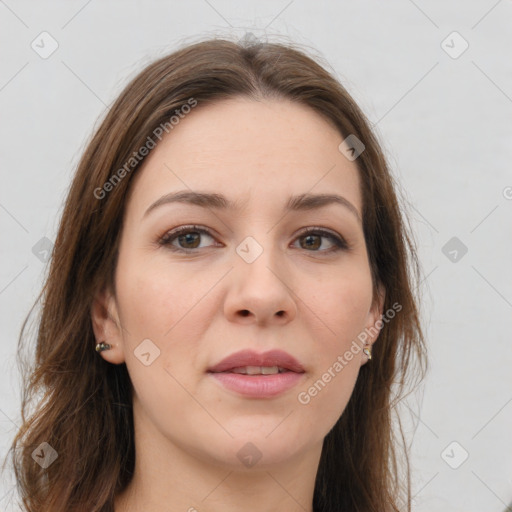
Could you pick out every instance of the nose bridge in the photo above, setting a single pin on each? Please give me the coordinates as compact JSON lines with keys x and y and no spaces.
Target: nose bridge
{"x":259,"y":280}
{"x":260,"y":258}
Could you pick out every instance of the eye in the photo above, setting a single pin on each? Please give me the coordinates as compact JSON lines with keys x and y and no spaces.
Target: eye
{"x":189,"y":237}
{"x":312,"y":238}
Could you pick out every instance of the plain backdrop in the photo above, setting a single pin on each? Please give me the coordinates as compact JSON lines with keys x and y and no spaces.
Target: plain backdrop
{"x":435,"y":80}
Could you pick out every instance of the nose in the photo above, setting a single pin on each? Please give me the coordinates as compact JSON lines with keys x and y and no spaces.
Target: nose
{"x":260,"y":292}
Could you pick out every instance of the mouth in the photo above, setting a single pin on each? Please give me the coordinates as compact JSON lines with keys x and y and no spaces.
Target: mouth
{"x":256,"y":375}
{"x":253,"y":363}
{"x":257,"y":370}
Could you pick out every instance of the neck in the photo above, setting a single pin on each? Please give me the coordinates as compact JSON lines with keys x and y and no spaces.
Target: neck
{"x":169,"y":478}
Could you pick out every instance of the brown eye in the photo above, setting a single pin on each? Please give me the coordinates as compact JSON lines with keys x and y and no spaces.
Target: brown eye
{"x":312,"y":240}
{"x":188,"y":238}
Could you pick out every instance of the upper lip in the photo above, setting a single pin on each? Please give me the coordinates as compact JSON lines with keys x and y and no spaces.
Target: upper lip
{"x":251,"y":358}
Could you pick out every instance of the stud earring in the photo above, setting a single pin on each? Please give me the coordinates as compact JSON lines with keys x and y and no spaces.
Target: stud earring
{"x":100,"y":347}
{"x":368,"y":352}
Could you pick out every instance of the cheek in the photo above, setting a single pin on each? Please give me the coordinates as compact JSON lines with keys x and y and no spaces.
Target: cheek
{"x":342,"y":304}
{"x":324,"y":400}
{"x":154,"y":298}
{"x":162,"y":303}
{"x":156,"y":303}
{"x":342,"y":308}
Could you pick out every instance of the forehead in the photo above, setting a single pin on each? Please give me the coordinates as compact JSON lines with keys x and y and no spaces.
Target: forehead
{"x":246,"y":148}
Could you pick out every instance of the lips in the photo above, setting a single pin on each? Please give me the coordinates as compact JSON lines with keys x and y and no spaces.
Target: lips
{"x":249,"y":358}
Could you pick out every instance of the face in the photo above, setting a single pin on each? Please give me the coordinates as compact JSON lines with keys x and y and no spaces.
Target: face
{"x":246,"y":275}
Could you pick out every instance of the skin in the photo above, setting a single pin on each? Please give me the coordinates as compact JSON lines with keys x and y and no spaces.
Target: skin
{"x":201,"y":306}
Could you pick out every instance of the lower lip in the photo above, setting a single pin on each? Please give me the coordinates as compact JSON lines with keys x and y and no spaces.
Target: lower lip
{"x":259,"y":386}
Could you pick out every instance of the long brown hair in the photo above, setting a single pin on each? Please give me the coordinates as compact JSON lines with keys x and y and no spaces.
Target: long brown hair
{"x":82,"y":405}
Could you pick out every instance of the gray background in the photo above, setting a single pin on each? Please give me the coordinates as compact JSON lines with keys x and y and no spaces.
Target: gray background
{"x":444,"y":118}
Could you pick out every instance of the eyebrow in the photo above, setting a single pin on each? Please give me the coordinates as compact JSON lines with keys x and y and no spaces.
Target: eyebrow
{"x":301,"y":202}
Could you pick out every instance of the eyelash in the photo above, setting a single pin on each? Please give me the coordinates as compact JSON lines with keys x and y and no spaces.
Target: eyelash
{"x":340,"y":243}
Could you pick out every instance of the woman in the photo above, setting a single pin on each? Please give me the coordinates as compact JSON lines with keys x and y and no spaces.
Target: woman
{"x":228,"y":321}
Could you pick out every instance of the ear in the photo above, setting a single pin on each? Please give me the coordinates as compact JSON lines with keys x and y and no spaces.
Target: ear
{"x":107,"y":327}
{"x":374,"y":320}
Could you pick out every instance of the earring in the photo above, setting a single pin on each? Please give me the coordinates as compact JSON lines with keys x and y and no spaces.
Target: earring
{"x":102,"y":346}
{"x":368,"y":352}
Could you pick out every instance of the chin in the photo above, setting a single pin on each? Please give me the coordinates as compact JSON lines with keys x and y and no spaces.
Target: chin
{"x":258,"y":451}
